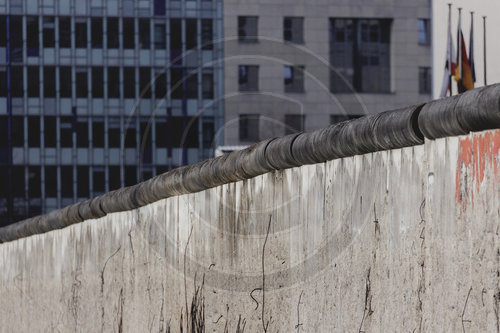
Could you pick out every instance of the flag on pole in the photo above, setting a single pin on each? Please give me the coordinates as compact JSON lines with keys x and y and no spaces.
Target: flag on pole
{"x":463,"y":73}
{"x":471,"y":47}
{"x":450,"y":65}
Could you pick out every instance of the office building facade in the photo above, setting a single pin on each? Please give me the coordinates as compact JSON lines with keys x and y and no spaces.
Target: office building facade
{"x":300,"y":65}
{"x":100,"y":94}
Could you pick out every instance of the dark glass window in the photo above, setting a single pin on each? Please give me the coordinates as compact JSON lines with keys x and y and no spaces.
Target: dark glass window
{"x":51,"y":181}
{"x":19,"y":181}
{"x":145,"y":143}
{"x":360,"y":55}
{"x":247,"y":29}
{"x":249,"y":127}
{"x":98,"y":133}
{"x":294,"y":79}
{"x":3,"y":27}
{"x":67,"y":181}
{"x":113,"y":82}
{"x":17,"y":131}
{"x":181,"y":134}
{"x":82,"y":133}
{"x":208,"y":132}
{"x":114,"y":133}
{"x":3,"y":81}
{"x":177,"y":85}
{"x":49,"y":81}
{"x":294,"y":123}
{"x":65,"y":32}
{"x":130,"y":175}
{"x":48,"y":31}
{"x":184,"y":83}
{"x":160,"y":85}
{"x":50,"y":131}
{"x":97,"y":82}
{"x":191,"y":33}
{"x":145,"y":82}
{"x":81,"y":83}
{"x":191,"y":83}
{"x":82,"y":181}
{"x":424,"y":32}
{"x":80,"y":34}
{"x":33,"y":131}
{"x":65,"y":83}
{"x":33,"y":81}
{"x":162,"y":133}
{"x":129,"y":135}
{"x":114,"y":178}
{"x":293,"y":29}
{"x":424,"y":80}
{"x":16,"y":81}
{"x":175,"y":34}
{"x":16,"y":38}
{"x":32,"y":35}
{"x":160,"y":37}
{"x":66,"y":131}
{"x":159,"y":7}
{"x":96,"y":31}
{"x":4,"y":137}
{"x":128,"y":33}
{"x":99,"y":181}
{"x":113,"y":40}
{"x":207,"y":34}
{"x":34,"y":182}
{"x":248,"y":77}
{"x":129,"y":82}
{"x":144,"y":33}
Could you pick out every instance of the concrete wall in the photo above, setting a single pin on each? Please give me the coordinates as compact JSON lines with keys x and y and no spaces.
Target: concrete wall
{"x":395,"y":241}
{"x":271,"y":53}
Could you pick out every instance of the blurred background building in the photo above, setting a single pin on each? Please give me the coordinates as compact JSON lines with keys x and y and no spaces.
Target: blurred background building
{"x":96,"y":95}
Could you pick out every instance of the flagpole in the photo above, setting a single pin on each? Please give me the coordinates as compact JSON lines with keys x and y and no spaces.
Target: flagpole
{"x":450,"y":60}
{"x":484,"y":47}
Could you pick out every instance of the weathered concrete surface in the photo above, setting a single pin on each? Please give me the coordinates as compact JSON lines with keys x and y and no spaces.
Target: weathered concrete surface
{"x":396,"y":241}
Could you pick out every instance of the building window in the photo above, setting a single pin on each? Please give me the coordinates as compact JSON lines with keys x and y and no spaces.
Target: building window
{"x":145,"y":143}
{"x":17,"y":131}
{"x":207,"y":34}
{"x":128,"y":33}
{"x":19,"y":181}
{"x":49,"y":81}
{"x":130,"y":175}
{"x":3,"y":27}
{"x":48,"y":32}
{"x":81,"y":33}
{"x":160,"y":85}
{"x":144,"y":34}
{"x":113,"y":82}
{"x":64,"y":32}
{"x":50,"y":131}
{"x":114,"y":178}
{"x":208,"y":132}
{"x":16,"y":81}
{"x":160,"y":37}
{"x":294,"y":79}
{"x":423,"y":32}
{"x":82,"y":133}
{"x":191,"y":33}
{"x":159,"y":7}
{"x":51,"y":181}
{"x":249,"y":127}
{"x":99,"y":181}
{"x":248,"y":29}
{"x":128,"y":82}
{"x":33,"y":131}
{"x":98,"y":133}
{"x":66,"y":132}
{"x":16,"y":38}
{"x":67,"y":181}
{"x":145,"y":82}
{"x":129,"y":135}
{"x":33,"y":81}
{"x":248,"y":77}
{"x":97,"y":82}
{"x":34,"y":182}
{"x":32,"y":36}
{"x":424,"y":80}
{"x":82,"y":181}
{"x":207,"y":83}
{"x":293,"y":29}
{"x":338,"y":118}
{"x":175,"y":36}
{"x":65,"y":84}
{"x":360,"y":55}
{"x":294,"y":123}
{"x":81,"y":83}
{"x":3,"y":81}
{"x":113,"y":37}
{"x":114,"y":132}
{"x":96,"y":31}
